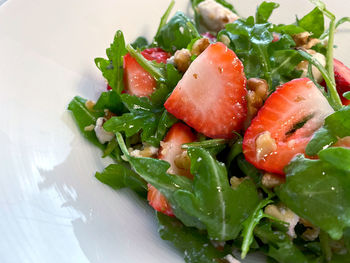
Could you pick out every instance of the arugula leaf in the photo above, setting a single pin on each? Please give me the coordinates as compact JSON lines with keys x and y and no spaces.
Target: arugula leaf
{"x":118,"y":176}
{"x":166,"y":120}
{"x":83,"y":117}
{"x":317,"y":190}
{"x":143,"y":115}
{"x":288,"y":29}
{"x":140,"y":43}
{"x":250,"y":223}
{"x":110,"y":100}
{"x":165,"y":16}
{"x":112,"y":68}
{"x":248,"y":169}
{"x":264,"y":11}
{"x":280,"y":247}
{"x":337,"y":156}
{"x":283,"y":63}
{"x":218,"y":206}
{"x":173,"y":76}
{"x":235,"y":150}
{"x":336,"y":125}
{"x":177,"y":33}
{"x":214,"y":146}
{"x":113,"y":150}
{"x":154,"y":171}
{"x":313,"y":22}
{"x":250,"y":42}
{"x":341,"y":258}
{"x":325,"y":245}
{"x":262,"y":58}
{"x":160,"y":95}
{"x":321,"y":139}
{"x":195,"y":245}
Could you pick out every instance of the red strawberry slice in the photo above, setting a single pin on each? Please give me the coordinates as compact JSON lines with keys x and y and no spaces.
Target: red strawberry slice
{"x":285,"y":124}
{"x":169,"y":150}
{"x":158,"y":201}
{"x":171,"y":147}
{"x":157,"y":54}
{"x":211,"y":95}
{"x":137,"y":80}
{"x":342,"y":79}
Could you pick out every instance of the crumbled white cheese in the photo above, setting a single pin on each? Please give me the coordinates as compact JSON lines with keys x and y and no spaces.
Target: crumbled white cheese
{"x":284,"y":214}
{"x":214,"y":15}
{"x":102,"y":135}
{"x":170,"y":60}
{"x":315,"y":72}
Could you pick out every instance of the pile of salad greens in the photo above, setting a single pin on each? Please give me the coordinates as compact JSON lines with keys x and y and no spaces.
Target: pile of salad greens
{"x":212,"y":218}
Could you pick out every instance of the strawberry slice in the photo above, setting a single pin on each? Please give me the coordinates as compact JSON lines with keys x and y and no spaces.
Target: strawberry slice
{"x":342,"y":79}
{"x":211,"y":95}
{"x":285,"y":124}
{"x":137,"y":80}
{"x":158,"y":201}
{"x":170,"y":148}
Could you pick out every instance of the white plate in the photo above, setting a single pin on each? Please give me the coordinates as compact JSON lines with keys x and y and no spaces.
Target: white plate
{"x":52,"y":209}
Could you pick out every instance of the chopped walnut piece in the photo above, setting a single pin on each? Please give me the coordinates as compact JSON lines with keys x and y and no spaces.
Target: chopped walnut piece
{"x":183,"y":161}
{"x":265,"y":145}
{"x":236,"y":181}
{"x":257,"y":93}
{"x":147,"y":151}
{"x":301,"y":38}
{"x":199,"y":46}
{"x":272,"y":180}
{"x":108,"y":114}
{"x":182,"y":59}
{"x":311,"y":233}
{"x":89,"y":104}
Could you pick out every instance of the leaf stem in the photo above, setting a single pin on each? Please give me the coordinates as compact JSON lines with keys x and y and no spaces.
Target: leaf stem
{"x":122,"y":145}
{"x":205,"y":144}
{"x":334,"y":98}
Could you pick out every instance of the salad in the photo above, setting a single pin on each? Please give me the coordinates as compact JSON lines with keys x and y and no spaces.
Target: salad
{"x":234,"y":129}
